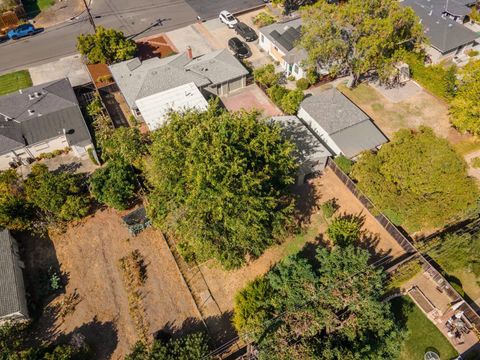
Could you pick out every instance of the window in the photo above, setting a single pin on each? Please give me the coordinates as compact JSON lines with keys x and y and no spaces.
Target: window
{"x":295,"y":69}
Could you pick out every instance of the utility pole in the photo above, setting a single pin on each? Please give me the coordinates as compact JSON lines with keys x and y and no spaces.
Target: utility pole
{"x":90,"y":16}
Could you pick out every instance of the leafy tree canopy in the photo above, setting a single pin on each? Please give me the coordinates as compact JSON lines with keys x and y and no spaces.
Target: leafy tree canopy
{"x":114,"y":184}
{"x":15,"y":212}
{"x":358,"y":36}
{"x":106,"y":46}
{"x":190,"y":347}
{"x":417,"y":180}
{"x":57,"y":194}
{"x":125,"y":143}
{"x":465,"y":107}
{"x":220,"y":182}
{"x":332,"y":311}
{"x":344,"y":230}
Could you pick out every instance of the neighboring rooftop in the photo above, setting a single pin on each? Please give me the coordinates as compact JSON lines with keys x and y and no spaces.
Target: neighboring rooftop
{"x":12,"y":291}
{"x":137,"y":79}
{"x":444,"y":33}
{"x":310,"y":152}
{"x":284,"y":35}
{"x":347,"y":125}
{"x":40,"y":113}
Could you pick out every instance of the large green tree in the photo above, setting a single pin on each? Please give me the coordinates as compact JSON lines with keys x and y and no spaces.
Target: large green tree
{"x":417,"y":180}
{"x":465,"y":107}
{"x":15,"y":211}
{"x":220,"y":182}
{"x":189,"y":347}
{"x":114,"y":184}
{"x":106,"y":46}
{"x":331,"y":311}
{"x":358,"y":36}
{"x":125,"y":143}
{"x":57,"y":194}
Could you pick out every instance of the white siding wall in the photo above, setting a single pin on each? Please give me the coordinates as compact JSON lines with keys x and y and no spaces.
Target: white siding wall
{"x":302,"y":114}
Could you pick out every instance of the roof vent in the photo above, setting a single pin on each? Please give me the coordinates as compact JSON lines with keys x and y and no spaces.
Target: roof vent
{"x":38,"y":94}
{"x":31,"y":111}
{"x":450,"y":25}
{"x":20,"y":91}
{"x":7,"y":118}
{"x":31,"y":96}
{"x":430,"y":13}
{"x":133,"y":64}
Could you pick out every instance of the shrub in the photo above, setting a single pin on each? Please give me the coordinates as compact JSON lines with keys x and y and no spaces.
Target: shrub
{"x":472,"y":53}
{"x":404,"y":273}
{"x":263,"y":19}
{"x":75,"y":208}
{"x":302,"y":84}
{"x":475,"y":162}
{"x":344,"y":163}
{"x":91,"y":156}
{"x":277,"y":93}
{"x":291,"y":101}
{"x":312,"y":76}
{"x":266,"y":75}
{"x":329,"y":207}
{"x":344,"y":231}
{"x":105,"y":79}
{"x":291,"y":78}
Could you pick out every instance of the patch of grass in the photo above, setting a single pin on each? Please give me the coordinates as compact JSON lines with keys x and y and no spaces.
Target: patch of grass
{"x":361,"y":94}
{"x":377,"y":107}
{"x":296,"y":243}
{"x":14,"y":81}
{"x":422,"y":333}
{"x":467,"y":146}
{"x":34,"y":7}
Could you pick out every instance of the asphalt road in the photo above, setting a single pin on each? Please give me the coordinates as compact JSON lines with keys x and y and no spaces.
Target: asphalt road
{"x":135,"y":18}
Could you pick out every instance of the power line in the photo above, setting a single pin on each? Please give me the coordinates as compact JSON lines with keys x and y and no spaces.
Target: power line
{"x":90,"y":18}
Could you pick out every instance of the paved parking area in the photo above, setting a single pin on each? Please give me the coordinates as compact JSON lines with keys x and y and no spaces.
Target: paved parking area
{"x":251,"y":98}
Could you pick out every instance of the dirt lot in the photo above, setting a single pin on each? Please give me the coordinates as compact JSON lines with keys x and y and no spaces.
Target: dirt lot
{"x":251,"y":98}
{"x":88,"y":254}
{"x":224,"y":285}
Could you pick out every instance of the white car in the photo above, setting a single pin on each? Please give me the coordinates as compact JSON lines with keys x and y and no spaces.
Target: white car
{"x":228,"y":19}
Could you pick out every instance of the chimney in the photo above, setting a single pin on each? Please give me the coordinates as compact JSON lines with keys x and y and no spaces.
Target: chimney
{"x":189,"y":53}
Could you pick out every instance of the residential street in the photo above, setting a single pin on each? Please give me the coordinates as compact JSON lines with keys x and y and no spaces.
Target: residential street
{"x":134,"y":19}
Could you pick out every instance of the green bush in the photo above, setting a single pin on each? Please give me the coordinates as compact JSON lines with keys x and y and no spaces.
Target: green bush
{"x":437,"y":79}
{"x":475,"y":162}
{"x":277,"y":93}
{"x":291,"y":78}
{"x":344,"y":231}
{"x":312,"y":76}
{"x":472,"y":53}
{"x":263,"y":19}
{"x":91,"y":156}
{"x":266,"y":76}
{"x":344,"y":163}
{"x":303,"y":84}
{"x":291,"y":101}
{"x":329,"y":207}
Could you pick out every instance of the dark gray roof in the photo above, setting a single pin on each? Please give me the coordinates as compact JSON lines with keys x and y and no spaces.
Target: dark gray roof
{"x":310,"y":151}
{"x":156,"y":75}
{"x":12,"y":291}
{"x":40,"y":113}
{"x":333,"y":111}
{"x":444,"y":33}
{"x":359,"y":137}
{"x":284,"y":35}
{"x":459,"y":8}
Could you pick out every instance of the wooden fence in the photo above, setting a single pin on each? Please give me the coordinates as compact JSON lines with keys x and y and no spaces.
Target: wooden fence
{"x":407,"y":245}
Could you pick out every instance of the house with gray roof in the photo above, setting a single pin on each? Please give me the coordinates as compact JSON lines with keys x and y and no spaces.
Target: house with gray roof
{"x":13,"y":303}
{"x":155,"y":86}
{"x":310,"y":153}
{"x":41,"y":119}
{"x":280,"y":41}
{"x":442,"y":22}
{"x":340,"y":124}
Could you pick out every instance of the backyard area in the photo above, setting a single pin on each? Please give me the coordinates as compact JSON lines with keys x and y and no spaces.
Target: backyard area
{"x":14,"y":81}
{"x":96,"y":301}
{"x":422,"y":333}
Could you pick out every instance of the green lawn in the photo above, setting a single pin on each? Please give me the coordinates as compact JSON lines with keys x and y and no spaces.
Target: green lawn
{"x":422,"y":333}
{"x":14,"y":81}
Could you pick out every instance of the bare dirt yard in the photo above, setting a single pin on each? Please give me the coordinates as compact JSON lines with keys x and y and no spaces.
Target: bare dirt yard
{"x":88,"y":255}
{"x":224,"y":285}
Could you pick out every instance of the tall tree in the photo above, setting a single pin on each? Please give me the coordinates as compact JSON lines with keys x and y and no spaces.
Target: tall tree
{"x":332,"y":311}
{"x":106,"y":46}
{"x":358,"y":36}
{"x":465,"y":107}
{"x":125,"y":143}
{"x":114,"y":184}
{"x":220,"y":182}
{"x":417,"y":180}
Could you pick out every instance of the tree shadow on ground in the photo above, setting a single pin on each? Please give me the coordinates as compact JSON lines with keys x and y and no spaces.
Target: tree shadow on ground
{"x":306,"y":202}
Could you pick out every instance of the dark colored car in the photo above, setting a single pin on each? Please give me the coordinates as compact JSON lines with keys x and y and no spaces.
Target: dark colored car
{"x":21,"y":31}
{"x":246,"y":32}
{"x":239,"y":48}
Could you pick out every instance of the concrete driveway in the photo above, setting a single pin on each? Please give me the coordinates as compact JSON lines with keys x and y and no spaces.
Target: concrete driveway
{"x":70,"y":67}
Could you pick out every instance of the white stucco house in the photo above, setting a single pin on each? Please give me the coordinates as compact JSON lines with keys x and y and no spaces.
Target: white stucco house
{"x":280,"y":41}
{"x":443,"y":24}
{"x":13,"y":302}
{"x":340,"y":124}
{"x":156,"y":86}
{"x":41,"y":119}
